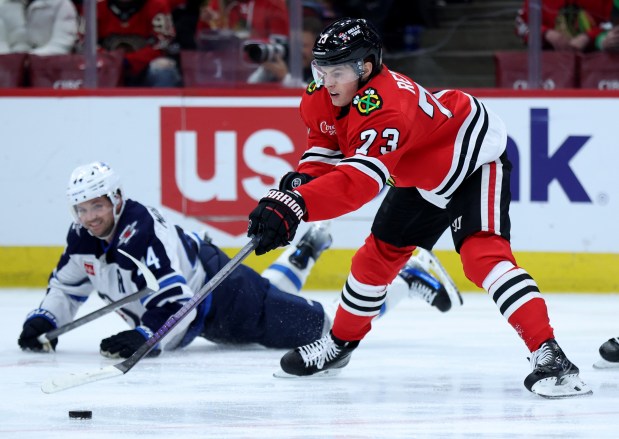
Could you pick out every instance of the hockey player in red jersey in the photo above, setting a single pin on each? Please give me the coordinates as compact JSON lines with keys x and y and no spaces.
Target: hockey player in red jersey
{"x":143,"y":30}
{"x":443,"y":154}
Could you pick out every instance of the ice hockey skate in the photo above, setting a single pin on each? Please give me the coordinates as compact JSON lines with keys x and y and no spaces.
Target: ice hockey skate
{"x":325,"y":356}
{"x":553,"y":375}
{"x":429,"y":281}
{"x":316,"y":240}
{"x":609,"y":351}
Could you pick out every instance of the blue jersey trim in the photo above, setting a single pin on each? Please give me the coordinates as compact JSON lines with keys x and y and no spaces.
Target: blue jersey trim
{"x":289,"y":274}
{"x":81,"y":299}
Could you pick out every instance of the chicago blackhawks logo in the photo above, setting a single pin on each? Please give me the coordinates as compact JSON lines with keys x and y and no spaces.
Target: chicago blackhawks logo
{"x":367,"y":103}
{"x":312,"y":87}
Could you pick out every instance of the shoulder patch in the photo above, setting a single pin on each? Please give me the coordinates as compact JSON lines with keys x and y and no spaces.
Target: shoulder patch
{"x":368,"y":102}
{"x":127,"y":233}
{"x":312,"y":87}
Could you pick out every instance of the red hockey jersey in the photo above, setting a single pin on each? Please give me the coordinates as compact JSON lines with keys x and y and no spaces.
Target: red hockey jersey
{"x":143,"y":35}
{"x":259,"y":19}
{"x":394,"y":132}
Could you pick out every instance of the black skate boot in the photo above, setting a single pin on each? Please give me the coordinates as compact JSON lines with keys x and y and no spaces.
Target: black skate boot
{"x":316,"y":240}
{"x":609,"y":351}
{"x":554,"y":376}
{"x":429,"y":281}
{"x":326,"y":356}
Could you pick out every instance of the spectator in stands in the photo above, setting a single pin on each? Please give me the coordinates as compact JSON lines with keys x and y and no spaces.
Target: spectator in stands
{"x":608,"y":39}
{"x":577,"y":25}
{"x":12,"y":27}
{"x":255,"y":19}
{"x":276,"y":70}
{"x":143,"y":31}
{"x":185,"y":16}
{"x":39,"y":27}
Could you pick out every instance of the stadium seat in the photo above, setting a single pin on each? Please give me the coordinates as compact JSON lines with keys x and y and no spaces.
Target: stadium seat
{"x":67,"y":71}
{"x":599,"y":71}
{"x":558,"y":70}
{"x":12,"y":70}
{"x":218,"y":62}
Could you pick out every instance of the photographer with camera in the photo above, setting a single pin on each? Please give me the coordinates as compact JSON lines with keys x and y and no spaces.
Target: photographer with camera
{"x":273,"y":56}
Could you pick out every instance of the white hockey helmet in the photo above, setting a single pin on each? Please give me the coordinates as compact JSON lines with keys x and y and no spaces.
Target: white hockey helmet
{"x":93,"y":180}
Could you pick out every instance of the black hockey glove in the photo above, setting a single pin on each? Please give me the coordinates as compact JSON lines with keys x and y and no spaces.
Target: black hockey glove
{"x":276,"y":219}
{"x":125,"y":343}
{"x":31,"y":330}
{"x":293,"y":180}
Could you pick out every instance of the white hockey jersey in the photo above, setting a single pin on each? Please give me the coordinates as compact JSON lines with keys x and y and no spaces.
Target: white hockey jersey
{"x":89,"y":264}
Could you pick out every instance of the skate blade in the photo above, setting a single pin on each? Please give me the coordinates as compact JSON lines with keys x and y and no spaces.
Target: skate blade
{"x":604,"y":364}
{"x":570,"y":386}
{"x":431,"y":264}
{"x":325,"y":373}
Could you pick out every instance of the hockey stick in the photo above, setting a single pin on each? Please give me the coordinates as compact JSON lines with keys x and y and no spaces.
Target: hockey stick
{"x":151,"y":283}
{"x":78,"y":379}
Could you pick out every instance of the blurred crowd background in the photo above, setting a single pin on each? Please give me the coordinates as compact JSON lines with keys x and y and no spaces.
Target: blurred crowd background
{"x":69,"y":44}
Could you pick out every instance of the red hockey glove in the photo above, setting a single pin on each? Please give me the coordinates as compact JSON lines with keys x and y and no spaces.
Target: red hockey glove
{"x":276,"y":219}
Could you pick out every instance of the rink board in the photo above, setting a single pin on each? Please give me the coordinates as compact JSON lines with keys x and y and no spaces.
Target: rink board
{"x":204,"y":157}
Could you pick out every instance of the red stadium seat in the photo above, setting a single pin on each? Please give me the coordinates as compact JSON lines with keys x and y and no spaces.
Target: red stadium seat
{"x":12,"y":70}
{"x":67,"y":71}
{"x":218,"y":62}
{"x":558,"y":70}
{"x":599,"y":71}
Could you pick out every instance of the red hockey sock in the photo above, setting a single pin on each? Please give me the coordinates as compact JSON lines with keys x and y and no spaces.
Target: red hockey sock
{"x":532,"y":324}
{"x":350,"y":327}
{"x":489,"y":263}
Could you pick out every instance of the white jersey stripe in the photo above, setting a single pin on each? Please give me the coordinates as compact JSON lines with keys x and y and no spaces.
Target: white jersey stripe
{"x":362,"y":299}
{"x":317,"y":154}
{"x":370,"y":166}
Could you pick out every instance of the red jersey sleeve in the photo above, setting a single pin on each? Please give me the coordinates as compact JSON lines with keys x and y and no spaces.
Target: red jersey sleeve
{"x":322,"y":151}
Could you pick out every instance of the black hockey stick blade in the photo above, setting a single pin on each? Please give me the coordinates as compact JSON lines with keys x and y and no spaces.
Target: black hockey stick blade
{"x":151,"y":285}
{"x":77,"y":379}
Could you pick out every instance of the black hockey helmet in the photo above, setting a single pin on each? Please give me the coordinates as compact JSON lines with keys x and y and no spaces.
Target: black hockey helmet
{"x":349,"y":40}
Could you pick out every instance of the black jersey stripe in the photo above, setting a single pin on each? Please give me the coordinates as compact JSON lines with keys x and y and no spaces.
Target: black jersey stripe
{"x":517,"y":296}
{"x":327,"y":153}
{"x":368,"y":309}
{"x":523,"y":277}
{"x":372,"y":169}
{"x":464,"y":152}
{"x":349,"y":291}
{"x":480,"y":139}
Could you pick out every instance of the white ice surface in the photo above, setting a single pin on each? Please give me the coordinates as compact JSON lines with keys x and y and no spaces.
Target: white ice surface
{"x":419,"y":373}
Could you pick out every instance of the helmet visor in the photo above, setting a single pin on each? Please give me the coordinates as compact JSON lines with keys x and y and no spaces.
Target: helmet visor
{"x":336,"y":74}
{"x":98,"y":207}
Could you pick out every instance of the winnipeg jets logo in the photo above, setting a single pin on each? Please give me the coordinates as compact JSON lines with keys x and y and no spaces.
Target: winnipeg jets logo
{"x":367,"y":103}
{"x":457,"y":224}
{"x":127,"y":233}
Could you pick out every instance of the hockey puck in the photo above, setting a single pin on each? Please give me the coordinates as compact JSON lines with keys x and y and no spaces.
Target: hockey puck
{"x":80,"y":414}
